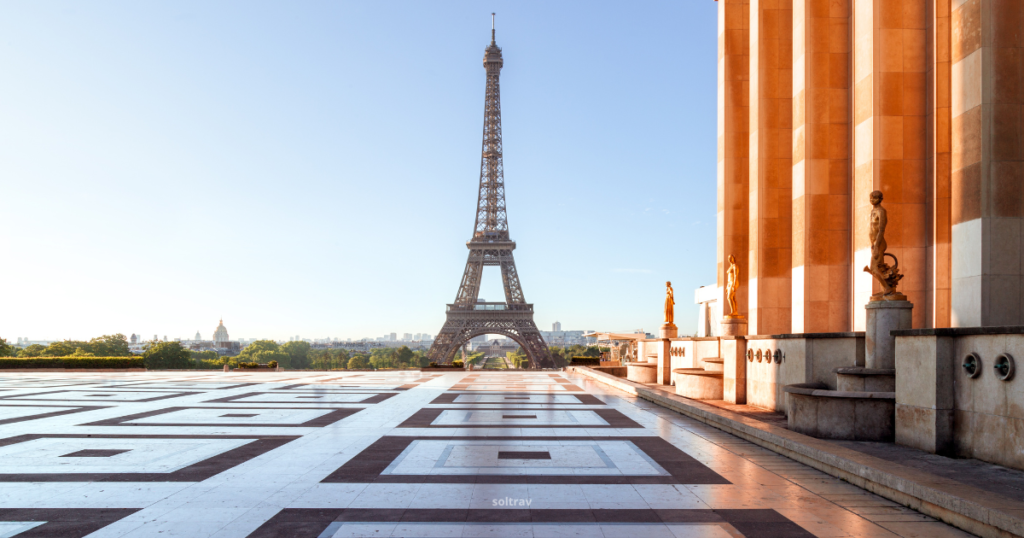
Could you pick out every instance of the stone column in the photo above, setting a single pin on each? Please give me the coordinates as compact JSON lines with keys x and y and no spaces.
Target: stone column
{"x":770,"y":183}
{"x":734,"y":353}
{"x":987,"y":162}
{"x":940,"y":162}
{"x":733,"y":141}
{"x":821,"y":166}
{"x":890,"y":67}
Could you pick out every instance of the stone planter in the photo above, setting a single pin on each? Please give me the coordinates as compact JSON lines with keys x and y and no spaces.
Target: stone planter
{"x":642,"y":372}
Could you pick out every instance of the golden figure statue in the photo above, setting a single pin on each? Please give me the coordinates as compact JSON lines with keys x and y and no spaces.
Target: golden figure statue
{"x":887,"y":276}
{"x":732,"y":281}
{"x":670,"y":303}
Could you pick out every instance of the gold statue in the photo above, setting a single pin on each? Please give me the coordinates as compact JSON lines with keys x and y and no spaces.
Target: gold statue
{"x":887,"y":276}
{"x":732,"y":281}
{"x":670,"y":303}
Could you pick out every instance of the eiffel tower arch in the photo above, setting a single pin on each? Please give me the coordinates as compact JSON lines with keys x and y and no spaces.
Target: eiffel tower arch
{"x":467,"y":317}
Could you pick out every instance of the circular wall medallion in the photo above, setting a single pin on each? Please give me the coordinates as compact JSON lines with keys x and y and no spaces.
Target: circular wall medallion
{"x":750,"y":355}
{"x":1004,"y":367}
{"x":972,"y":365}
{"x":758,"y":355}
{"x":778,"y":356}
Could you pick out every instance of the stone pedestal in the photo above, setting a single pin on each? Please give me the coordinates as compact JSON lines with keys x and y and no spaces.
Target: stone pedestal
{"x":669,"y":330}
{"x":665,"y":361}
{"x":879,"y":345}
{"x":734,"y":326}
{"x":734,"y":382}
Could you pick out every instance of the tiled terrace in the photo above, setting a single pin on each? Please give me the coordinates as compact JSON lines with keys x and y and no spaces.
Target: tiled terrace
{"x":326,"y":454}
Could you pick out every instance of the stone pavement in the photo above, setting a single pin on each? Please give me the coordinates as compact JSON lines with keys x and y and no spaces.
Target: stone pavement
{"x":325,"y":454}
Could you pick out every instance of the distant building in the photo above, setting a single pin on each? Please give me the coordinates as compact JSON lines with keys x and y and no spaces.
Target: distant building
{"x":407,"y":337}
{"x":556,"y":326}
{"x":220,"y":335}
{"x":393,"y":337}
{"x":135,"y":339}
{"x":563,"y":338}
{"x":197,"y":338}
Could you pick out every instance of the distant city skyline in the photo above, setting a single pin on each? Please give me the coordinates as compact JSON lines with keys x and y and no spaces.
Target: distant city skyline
{"x":556,"y":328}
{"x":311,"y":168}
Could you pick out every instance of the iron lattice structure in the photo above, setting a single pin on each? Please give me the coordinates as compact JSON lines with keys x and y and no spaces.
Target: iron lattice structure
{"x":467,"y":317}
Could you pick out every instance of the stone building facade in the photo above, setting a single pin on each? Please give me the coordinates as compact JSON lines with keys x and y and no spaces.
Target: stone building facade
{"x":821,"y":102}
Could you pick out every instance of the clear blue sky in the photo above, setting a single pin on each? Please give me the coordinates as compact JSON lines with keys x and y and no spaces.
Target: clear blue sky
{"x":310,"y":168}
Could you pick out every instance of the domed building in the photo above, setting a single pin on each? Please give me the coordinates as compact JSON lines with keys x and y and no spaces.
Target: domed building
{"x":220,"y":336}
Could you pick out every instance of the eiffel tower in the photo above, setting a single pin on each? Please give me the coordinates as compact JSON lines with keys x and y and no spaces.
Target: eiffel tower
{"x":468,"y":317}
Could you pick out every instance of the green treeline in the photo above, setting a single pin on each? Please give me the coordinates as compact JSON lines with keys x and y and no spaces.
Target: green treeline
{"x":108,"y":345}
{"x":291,"y":355}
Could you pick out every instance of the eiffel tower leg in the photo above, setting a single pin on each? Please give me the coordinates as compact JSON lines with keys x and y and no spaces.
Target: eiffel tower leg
{"x":447,"y":341}
{"x":536,"y":349}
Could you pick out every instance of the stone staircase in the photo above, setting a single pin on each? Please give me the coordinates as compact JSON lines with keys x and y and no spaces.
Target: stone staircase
{"x":705,"y":383}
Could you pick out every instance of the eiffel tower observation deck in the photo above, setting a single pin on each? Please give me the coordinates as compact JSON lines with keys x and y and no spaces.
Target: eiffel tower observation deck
{"x":467,"y":317}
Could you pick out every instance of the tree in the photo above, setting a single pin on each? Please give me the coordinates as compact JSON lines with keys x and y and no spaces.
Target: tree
{"x":109,"y":345}
{"x":405,"y":356}
{"x":208,"y":355}
{"x":559,"y":356}
{"x":60,"y":349}
{"x":167,"y":356}
{"x":6,"y":350}
{"x":264,"y":357}
{"x":35,"y":350}
{"x":358,"y":362}
{"x":420,"y":359}
{"x":328,"y":359}
{"x":298,"y":355}
{"x":255,"y":348}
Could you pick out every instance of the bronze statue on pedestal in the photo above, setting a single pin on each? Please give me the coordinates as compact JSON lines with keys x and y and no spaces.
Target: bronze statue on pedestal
{"x":732,"y":281}
{"x":670,"y":303}
{"x":887,"y":276}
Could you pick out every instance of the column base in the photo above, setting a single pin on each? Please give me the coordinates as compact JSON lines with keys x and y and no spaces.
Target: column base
{"x":669,"y":330}
{"x":882,"y":317}
{"x":734,"y":326}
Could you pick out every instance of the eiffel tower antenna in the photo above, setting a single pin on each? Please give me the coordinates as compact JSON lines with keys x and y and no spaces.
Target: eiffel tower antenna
{"x":468,"y":317}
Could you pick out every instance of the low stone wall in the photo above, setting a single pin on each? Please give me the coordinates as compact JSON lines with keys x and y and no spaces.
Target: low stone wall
{"x":617,"y":371}
{"x":942,"y":408}
{"x":774,"y":361}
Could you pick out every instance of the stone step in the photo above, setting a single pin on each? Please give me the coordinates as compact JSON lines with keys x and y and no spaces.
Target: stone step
{"x":714,"y":364}
{"x":857,"y":379}
{"x":698,"y":371}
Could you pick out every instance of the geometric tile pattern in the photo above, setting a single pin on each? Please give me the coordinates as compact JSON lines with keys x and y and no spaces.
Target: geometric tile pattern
{"x":217,"y":416}
{"x":390,"y":454}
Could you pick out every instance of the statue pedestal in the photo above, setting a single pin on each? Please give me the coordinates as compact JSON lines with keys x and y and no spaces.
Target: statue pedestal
{"x":734,"y":326}
{"x":879,"y":345}
{"x":669,"y":330}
